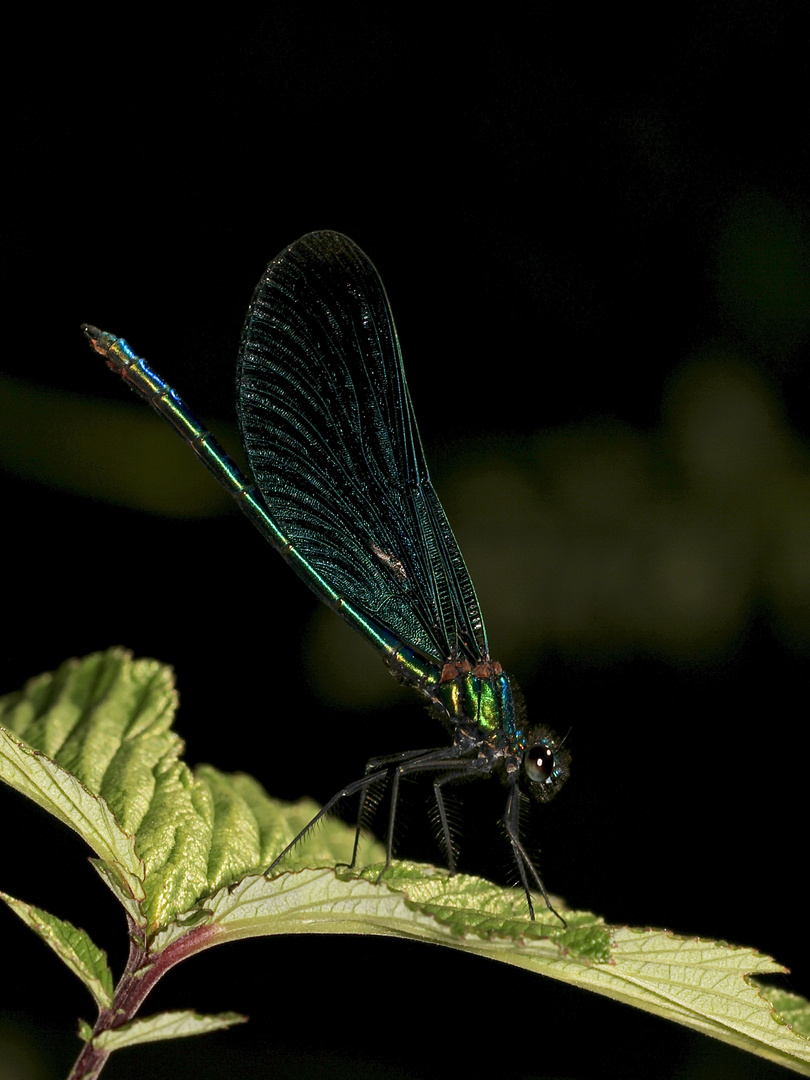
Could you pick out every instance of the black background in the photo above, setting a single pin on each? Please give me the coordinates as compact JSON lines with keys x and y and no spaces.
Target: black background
{"x":543,"y":196}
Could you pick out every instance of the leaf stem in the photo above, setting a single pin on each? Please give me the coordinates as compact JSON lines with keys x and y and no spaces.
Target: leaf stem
{"x":141,"y":973}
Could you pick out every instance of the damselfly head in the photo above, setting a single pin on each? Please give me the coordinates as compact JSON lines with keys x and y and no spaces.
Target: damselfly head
{"x":546,"y":763}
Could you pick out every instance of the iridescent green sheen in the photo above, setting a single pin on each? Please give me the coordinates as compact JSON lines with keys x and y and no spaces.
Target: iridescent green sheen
{"x":341,"y":489}
{"x":487,"y":701}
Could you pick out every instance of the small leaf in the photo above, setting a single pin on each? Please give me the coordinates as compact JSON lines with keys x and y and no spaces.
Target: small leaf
{"x":168,"y":1025}
{"x":72,"y":945}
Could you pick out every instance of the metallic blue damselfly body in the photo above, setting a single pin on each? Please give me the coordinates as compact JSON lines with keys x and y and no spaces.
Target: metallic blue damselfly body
{"x":341,"y":489}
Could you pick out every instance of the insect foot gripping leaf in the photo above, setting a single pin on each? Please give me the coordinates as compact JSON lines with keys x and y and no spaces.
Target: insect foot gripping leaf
{"x":184,"y":852}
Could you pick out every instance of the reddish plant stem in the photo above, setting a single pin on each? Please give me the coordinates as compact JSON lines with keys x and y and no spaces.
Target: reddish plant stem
{"x":141,"y":973}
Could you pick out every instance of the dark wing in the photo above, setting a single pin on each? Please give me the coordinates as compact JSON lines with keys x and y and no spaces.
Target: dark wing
{"x":331,"y":438}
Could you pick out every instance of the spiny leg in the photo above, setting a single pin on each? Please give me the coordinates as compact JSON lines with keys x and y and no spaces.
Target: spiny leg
{"x":378,"y":764}
{"x":463,"y":769}
{"x":446,"y":760}
{"x":344,"y":793}
{"x":445,"y":825}
{"x":512,"y":824}
{"x":376,"y":770}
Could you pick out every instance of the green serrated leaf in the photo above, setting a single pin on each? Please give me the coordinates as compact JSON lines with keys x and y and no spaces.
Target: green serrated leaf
{"x":72,"y":945}
{"x":105,"y":718}
{"x":704,"y":985}
{"x":174,"y":841}
{"x":788,"y":1008}
{"x":66,"y":797}
{"x":421,"y":901}
{"x":168,"y":1025}
{"x":466,"y":905}
{"x":202,"y":836}
{"x":108,"y":717}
